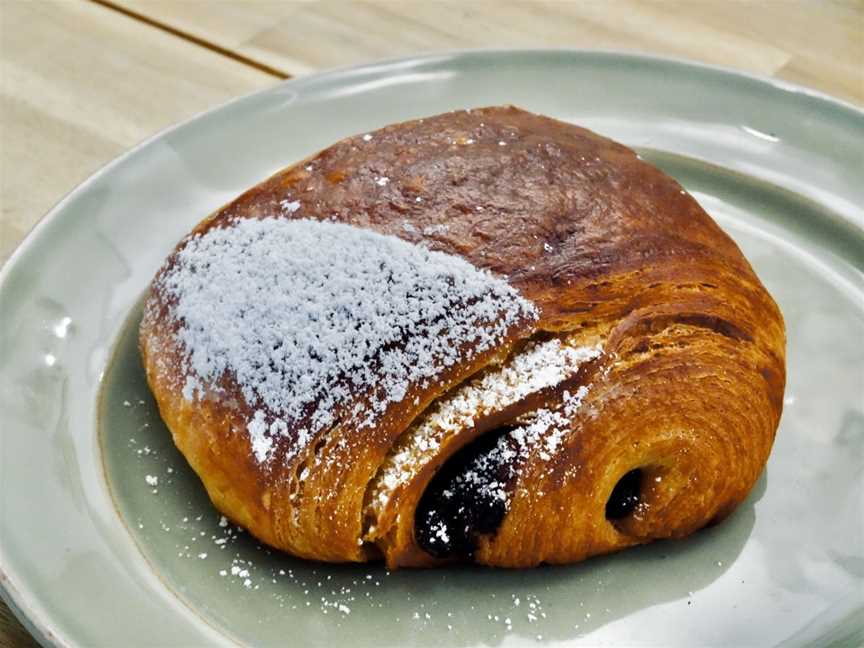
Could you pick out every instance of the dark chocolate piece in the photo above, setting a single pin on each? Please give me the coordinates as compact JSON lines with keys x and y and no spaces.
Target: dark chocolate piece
{"x":468,"y":497}
{"x":625,"y":496}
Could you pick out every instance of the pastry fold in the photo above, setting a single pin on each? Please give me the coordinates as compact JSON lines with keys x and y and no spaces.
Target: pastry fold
{"x":486,"y":335}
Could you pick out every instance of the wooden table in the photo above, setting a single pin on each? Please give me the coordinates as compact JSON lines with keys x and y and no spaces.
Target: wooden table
{"x":84,"y":81}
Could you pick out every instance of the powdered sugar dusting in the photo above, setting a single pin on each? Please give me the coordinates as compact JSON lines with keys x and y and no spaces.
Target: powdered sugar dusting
{"x":541,"y":364}
{"x":544,"y":429}
{"x":289,"y":206}
{"x":540,"y":432}
{"x":305,"y":316}
{"x":261,"y":442}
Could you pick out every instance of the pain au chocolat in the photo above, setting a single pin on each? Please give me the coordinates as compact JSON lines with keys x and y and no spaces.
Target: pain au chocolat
{"x":486,"y":335}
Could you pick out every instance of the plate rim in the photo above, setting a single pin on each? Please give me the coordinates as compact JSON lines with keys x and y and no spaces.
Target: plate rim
{"x":28,"y":611}
{"x":429,"y":57}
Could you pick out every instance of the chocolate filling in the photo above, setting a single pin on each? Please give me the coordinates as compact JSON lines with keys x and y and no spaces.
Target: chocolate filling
{"x":468,"y":497}
{"x":625,"y":496}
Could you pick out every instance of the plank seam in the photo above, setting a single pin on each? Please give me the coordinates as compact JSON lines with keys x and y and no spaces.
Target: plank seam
{"x":192,"y":38}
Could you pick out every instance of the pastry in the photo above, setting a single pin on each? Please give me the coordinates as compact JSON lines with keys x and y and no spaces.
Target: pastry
{"x":483,"y":336}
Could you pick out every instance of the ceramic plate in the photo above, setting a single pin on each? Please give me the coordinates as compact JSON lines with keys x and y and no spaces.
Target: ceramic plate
{"x":108,"y":539}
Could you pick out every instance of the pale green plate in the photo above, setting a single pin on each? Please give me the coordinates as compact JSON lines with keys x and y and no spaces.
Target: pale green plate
{"x":91,"y":555}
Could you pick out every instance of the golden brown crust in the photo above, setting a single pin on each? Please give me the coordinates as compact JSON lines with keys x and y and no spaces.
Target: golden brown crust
{"x":689,"y":387}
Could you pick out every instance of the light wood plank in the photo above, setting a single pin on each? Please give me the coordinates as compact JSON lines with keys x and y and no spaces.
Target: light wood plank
{"x":81,"y":84}
{"x":818,"y":44}
{"x":825,"y":40}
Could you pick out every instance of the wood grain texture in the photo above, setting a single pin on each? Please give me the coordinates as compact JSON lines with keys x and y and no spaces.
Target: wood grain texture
{"x":12,"y":633}
{"x":817,"y":44}
{"x":82,"y":83}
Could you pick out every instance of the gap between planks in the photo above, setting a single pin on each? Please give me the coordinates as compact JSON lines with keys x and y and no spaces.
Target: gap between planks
{"x":179,"y":33}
